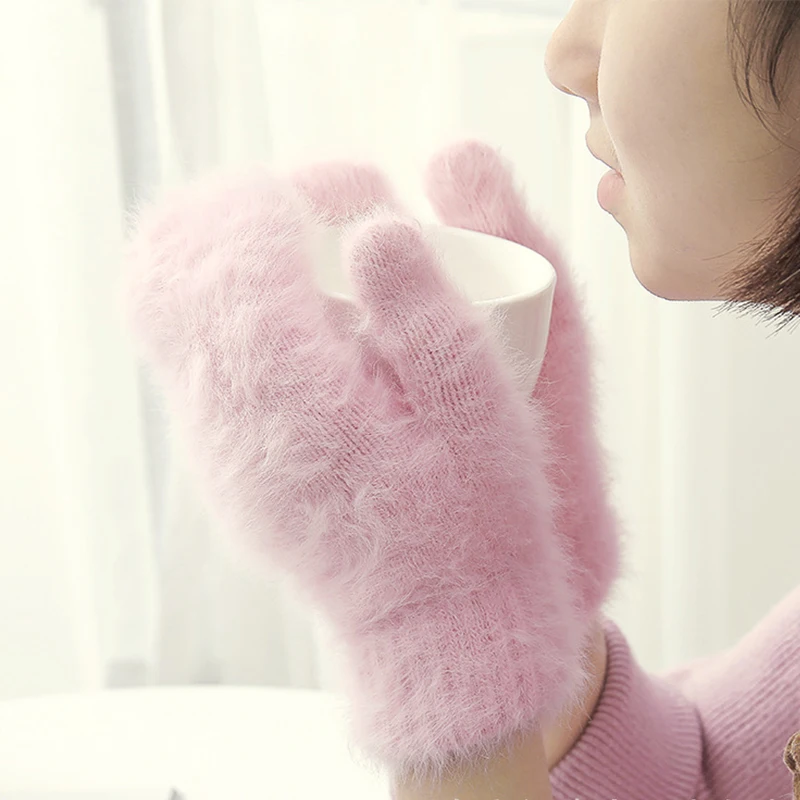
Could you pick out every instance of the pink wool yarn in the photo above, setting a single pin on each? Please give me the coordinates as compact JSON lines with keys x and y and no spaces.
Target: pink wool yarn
{"x":471,"y":186}
{"x":396,"y":474}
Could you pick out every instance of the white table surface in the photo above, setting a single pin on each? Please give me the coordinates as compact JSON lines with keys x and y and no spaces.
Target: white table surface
{"x":209,"y":742}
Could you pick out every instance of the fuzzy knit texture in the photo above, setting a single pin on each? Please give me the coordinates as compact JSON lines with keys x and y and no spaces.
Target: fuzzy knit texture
{"x":395,"y":472}
{"x":717,"y":728}
{"x":470,"y":185}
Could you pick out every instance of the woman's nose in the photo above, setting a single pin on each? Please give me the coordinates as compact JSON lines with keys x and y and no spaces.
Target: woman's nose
{"x":572,"y":56}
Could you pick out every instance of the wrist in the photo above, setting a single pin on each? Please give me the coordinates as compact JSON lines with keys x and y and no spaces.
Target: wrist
{"x":517,"y":771}
{"x":560,"y":737}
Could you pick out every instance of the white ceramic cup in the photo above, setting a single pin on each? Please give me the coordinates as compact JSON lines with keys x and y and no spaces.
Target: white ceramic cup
{"x":512,"y":283}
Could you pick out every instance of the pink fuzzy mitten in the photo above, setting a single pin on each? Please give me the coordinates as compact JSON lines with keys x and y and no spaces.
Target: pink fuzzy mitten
{"x":470,"y":186}
{"x":408,"y":502}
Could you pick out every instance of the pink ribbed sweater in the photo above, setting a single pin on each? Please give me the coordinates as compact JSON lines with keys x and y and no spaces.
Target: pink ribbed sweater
{"x":714,"y":729}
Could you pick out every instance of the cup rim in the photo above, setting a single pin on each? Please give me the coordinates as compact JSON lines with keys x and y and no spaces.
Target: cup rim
{"x":437,"y":229}
{"x":504,"y":299}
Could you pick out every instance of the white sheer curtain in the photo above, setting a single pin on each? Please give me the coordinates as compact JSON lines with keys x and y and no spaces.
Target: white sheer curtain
{"x":110,"y":573}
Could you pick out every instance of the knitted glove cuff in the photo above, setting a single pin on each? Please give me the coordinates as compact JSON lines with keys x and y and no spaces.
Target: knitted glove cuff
{"x":437,"y":686}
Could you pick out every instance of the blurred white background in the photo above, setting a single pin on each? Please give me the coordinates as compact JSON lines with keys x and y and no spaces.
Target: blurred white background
{"x":110,"y":573}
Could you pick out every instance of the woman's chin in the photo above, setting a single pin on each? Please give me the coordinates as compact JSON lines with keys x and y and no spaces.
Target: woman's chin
{"x":667,"y":283}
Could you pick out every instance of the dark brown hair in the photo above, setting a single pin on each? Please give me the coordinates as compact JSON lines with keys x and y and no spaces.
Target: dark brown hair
{"x":762,"y":43}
